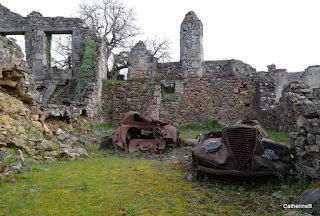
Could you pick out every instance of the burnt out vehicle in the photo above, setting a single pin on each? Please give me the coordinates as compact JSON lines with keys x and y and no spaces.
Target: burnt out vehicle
{"x":241,"y":150}
{"x":139,"y":133}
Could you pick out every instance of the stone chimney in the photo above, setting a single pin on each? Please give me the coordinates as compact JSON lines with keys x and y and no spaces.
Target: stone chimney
{"x":191,"y":48}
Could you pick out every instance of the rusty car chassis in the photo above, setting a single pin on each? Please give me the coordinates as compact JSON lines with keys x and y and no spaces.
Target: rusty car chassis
{"x":242,"y":150}
{"x":139,"y":133}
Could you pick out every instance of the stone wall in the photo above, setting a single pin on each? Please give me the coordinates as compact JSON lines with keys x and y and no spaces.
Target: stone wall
{"x":14,"y":76}
{"x":224,"y":69}
{"x":169,"y":71}
{"x":38,"y":30}
{"x":50,"y":81}
{"x":141,"y":63}
{"x":277,"y":91}
{"x":305,"y":142}
{"x":191,"y":45}
{"x":181,"y":101}
{"x":121,"y":97}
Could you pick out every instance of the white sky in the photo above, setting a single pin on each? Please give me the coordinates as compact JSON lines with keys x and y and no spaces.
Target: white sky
{"x":257,"y":32}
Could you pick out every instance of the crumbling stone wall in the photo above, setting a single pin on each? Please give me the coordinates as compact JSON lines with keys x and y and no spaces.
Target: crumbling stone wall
{"x":277,"y":90}
{"x":305,"y":142}
{"x":191,"y":45}
{"x":169,"y":71}
{"x":199,"y":99}
{"x":142,"y":63}
{"x":224,"y":69}
{"x":121,"y":97}
{"x":188,"y":101}
{"x":37,"y":30}
{"x":14,"y":76}
{"x":187,"y":91}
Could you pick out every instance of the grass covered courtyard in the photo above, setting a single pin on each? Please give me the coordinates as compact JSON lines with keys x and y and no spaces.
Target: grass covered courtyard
{"x":133,"y":186}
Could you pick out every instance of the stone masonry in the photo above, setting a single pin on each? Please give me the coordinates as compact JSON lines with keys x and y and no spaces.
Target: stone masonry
{"x":305,"y":142}
{"x":38,"y":30}
{"x":191,"y":48}
{"x":50,"y":81}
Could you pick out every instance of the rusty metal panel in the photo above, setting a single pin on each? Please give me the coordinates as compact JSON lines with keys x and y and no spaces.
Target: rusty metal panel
{"x":242,"y":143}
{"x":243,"y":150}
{"x":139,"y":133}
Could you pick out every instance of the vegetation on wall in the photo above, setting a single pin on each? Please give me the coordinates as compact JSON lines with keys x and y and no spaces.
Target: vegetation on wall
{"x":169,"y":88}
{"x":86,"y":70}
{"x":48,"y":47}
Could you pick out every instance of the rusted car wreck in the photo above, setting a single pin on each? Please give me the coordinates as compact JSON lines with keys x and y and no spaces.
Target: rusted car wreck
{"x":139,"y":133}
{"x":242,"y":150}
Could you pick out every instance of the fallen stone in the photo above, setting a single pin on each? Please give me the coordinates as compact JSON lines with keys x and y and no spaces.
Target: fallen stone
{"x":37,"y":124}
{"x":19,"y":143}
{"x":82,"y":152}
{"x":8,"y":82}
{"x":311,"y":196}
{"x":49,"y":160}
{"x":296,"y":213}
{"x":277,"y":195}
{"x":63,"y":136}
{"x":84,"y":141}
{"x":28,"y":162}
{"x":47,"y":130}
{"x":2,"y":156}
{"x":32,"y":190}
{"x":34,"y":117}
{"x":58,"y":131}
{"x":189,"y":177}
{"x":17,"y":167}
{"x":68,"y":142}
{"x":49,"y":148}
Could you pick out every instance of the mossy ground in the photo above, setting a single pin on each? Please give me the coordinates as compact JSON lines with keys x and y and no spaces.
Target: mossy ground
{"x":120,"y":184}
{"x":123,"y":186}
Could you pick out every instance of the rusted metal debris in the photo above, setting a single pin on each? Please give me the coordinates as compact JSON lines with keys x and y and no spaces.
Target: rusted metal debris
{"x":242,"y":150}
{"x":139,"y":133}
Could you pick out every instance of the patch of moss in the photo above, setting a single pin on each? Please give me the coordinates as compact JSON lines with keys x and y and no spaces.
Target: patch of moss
{"x":123,"y":186}
{"x":86,"y":71}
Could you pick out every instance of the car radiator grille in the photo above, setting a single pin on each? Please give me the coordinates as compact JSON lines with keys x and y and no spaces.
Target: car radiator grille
{"x":242,"y":142}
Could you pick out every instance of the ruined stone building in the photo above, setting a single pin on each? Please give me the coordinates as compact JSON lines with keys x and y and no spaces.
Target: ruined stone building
{"x":189,"y":91}
{"x":193,"y":90}
{"x":48,"y":80}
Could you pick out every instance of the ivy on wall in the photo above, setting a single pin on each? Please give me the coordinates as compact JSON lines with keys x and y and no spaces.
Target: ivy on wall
{"x":48,"y":48}
{"x":86,"y":70}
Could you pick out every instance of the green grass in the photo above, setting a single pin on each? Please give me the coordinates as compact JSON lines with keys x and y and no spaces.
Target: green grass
{"x":191,"y":131}
{"x":105,"y":127}
{"x":278,"y":136}
{"x":122,"y":186}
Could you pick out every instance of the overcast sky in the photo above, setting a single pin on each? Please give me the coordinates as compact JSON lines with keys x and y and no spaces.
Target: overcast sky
{"x":257,"y":32}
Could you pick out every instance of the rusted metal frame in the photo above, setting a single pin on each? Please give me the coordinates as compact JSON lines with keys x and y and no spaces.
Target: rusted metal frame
{"x":236,"y":172}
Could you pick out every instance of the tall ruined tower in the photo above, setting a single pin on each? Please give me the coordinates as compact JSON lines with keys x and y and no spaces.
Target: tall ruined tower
{"x":191,"y":48}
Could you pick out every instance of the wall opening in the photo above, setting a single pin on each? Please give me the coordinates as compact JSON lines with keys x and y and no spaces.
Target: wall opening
{"x":20,"y":40}
{"x":60,"y":51}
{"x":169,"y":88}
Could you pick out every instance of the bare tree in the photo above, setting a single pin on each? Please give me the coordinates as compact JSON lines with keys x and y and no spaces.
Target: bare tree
{"x":62,"y":50}
{"x":159,"y":48}
{"x":115,"y":24}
